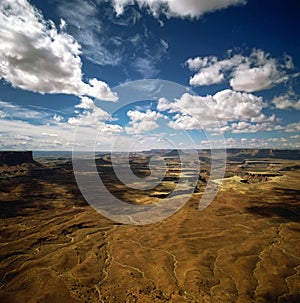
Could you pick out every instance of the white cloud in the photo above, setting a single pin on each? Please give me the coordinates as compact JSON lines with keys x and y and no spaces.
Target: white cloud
{"x":36,"y":57}
{"x":110,"y":128}
{"x":48,"y":134}
{"x":250,"y":142}
{"x":263,"y":118}
{"x":142,"y":122}
{"x":98,"y":89}
{"x":258,"y":78}
{"x":188,"y":106}
{"x":295,"y":137}
{"x":178,"y":8}
{"x":86,"y":103}
{"x":197,"y":63}
{"x":163,"y":104}
{"x":19,"y":131}
{"x":293,"y":127}
{"x":149,"y":115}
{"x":226,"y":111}
{"x":89,"y":118}
{"x":277,"y":139}
{"x":256,"y":72}
{"x":141,"y":127}
{"x":210,"y":69}
{"x":286,"y":101}
{"x":22,"y":127}
{"x":18,"y":134}
{"x":245,"y":127}
{"x":233,"y":105}
{"x":93,"y":116}
{"x":226,"y":105}
{"x":207,"y":76}
{"x":58,"y":118}
{"x":185,"y":122}
{"x":2,"y":114}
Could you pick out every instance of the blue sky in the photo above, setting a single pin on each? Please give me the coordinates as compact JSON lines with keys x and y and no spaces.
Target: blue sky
{"x":62,"y":64}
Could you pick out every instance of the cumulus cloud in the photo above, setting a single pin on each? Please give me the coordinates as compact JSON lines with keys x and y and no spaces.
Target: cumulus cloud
{"x":246,"y":127}
{"x":141,"y":122}
{"x":285,"y":102}
{"x":231,"y":105}
{"x":293,"y":127}
{"x":263,"y":118}
{"x":226,"y":105}
{"x":234,"y":142}
{"x":226,"y":111}
{"x":185,"y":122}
{"x":35,"y":56}
{"x":58,"y":118}
{"x":93,"y":115}
{"x":289,"y":100}
{"x":210,"y":70}
{"x":251,"y":79}
{"x":277,"y":139}
{"x":207,"y":76}
{"x":178,"y":8}
{"x":256,"y":72}
{"x":86,"y":103}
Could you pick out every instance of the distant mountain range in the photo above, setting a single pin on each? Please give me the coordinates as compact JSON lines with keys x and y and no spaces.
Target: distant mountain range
{"x":233,"y":154}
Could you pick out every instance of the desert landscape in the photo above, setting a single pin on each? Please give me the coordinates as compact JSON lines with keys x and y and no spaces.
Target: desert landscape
{"x":149,"y":151}
{"x":244,"y":247}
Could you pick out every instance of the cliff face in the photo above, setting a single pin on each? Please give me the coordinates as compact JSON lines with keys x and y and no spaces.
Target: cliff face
{"x":12,"y":158}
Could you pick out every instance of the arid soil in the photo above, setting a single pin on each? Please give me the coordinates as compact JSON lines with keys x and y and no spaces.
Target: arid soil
{"x":244,"y":247}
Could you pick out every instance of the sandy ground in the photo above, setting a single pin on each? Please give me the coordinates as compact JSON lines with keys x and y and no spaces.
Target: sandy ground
{"x":243,"y":248}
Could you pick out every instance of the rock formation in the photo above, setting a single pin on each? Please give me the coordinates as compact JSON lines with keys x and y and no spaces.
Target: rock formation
{"x":12,"y":158}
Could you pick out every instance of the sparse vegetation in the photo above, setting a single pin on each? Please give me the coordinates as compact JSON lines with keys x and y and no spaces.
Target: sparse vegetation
{"x":244,"y":247}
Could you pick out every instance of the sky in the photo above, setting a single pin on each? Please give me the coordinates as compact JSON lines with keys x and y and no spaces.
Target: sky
{"x":224,"y":73}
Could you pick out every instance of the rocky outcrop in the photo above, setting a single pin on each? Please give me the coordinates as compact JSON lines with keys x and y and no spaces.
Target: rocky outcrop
{"x":12,"y":158}
{"x":255,"y":177}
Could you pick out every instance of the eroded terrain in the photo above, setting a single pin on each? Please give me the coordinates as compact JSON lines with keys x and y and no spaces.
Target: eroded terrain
{"x":244,"y":247}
